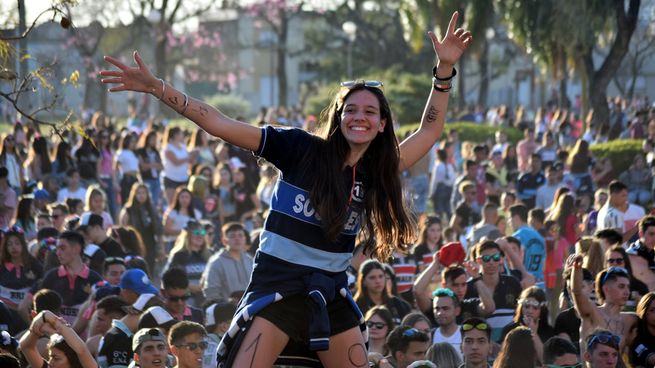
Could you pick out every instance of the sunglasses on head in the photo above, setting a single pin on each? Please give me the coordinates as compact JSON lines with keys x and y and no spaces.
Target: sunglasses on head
{"x":532,"y":303}
{"x":411,"y":332}
{"x":579,"y":365}
{"x":112,"y":260}
{"x":359,"y":82}
{"x":130,"y":257}
{"x":202,"y":345}
{"x":178,"y":298}
{"x":614,"y":270}
{"x":479,"y":326}
{"x":487,"y":259}
{"x":605,"y":339}
{"x":376,"y":325}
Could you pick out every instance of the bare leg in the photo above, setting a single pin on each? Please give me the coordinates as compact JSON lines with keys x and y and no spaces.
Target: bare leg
{"x":261,"y":346}
{"x":347,"y":350}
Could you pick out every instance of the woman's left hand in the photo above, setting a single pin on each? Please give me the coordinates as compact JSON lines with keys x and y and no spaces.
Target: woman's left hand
{"x":453,"y":44}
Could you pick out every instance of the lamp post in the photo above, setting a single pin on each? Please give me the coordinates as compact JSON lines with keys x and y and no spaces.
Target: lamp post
{"x":350,"y":29}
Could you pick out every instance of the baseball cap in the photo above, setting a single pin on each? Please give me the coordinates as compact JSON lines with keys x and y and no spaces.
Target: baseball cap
{"x":219,"y":312}
{"x":137,"y":280}
{"x":156,"y":317}
{"x":147,"y":334}
{"x":450,"y":253}
{"x":140,"y":304}
{"x":7,"y":341}
{"x":91,"y":219}
{"x":41,"y":194}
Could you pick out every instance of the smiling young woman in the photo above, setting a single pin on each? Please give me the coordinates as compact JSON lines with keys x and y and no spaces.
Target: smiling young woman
{"x":333,"y":183}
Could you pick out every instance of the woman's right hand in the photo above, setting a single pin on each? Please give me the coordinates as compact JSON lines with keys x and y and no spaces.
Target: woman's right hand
{"x":138,"y":79}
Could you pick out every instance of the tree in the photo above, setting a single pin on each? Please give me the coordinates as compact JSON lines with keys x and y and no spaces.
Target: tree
{"x":642,"y":49}
{"x":29,"y":81}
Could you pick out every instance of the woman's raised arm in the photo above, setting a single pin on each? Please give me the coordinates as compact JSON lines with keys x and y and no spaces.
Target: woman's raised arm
{"x":214,"y":122}
{"x":448,"y":51}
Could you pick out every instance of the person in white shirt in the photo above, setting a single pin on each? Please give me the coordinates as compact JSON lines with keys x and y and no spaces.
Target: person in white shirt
{"x":446,"y":309}
{"x":73,"y":188}
{"x":618,"y":213}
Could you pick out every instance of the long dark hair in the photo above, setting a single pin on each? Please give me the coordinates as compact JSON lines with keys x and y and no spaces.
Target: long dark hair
{"x":517,"y":350}
{"x":361,"y":296}
{"x":5,"y":257}
{"x":564,"y":207}
{"x":423,"y":232}
{"x":384,"y":214}
{"x":40,"y":148}
{"x":540,"y":296}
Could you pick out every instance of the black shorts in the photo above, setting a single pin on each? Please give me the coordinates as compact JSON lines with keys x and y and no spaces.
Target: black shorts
{"x":291,"y":315}
{"x":172,"y":184}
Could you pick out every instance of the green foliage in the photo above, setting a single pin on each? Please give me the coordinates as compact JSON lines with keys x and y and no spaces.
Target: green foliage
{"x":470,"y":132}
{"x":620,"y":152}
{"x":231,"y":105}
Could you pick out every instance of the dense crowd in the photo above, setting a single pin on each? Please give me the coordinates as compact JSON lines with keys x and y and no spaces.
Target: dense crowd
{"x":132,"y":246}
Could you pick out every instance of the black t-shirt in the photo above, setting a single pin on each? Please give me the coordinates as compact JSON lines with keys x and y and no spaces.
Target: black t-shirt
{"x":6,"y":319}
{"x":149,"y":156}
{"x":505,"y":297}
{"x":87,"y":159}
{"x":57,"y":279}
{"x":642,"y":347}
{"x":568,"y":322}
{"x":15,"y":282}
{"x":467,"y":214}
{"x":115,"y":348}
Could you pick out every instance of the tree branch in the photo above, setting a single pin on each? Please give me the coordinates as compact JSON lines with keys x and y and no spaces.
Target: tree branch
{"x":31,"y":27}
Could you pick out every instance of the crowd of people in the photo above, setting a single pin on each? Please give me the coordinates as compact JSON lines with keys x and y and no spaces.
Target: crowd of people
{"x":155,"y":247}
{"x":538,"y":260}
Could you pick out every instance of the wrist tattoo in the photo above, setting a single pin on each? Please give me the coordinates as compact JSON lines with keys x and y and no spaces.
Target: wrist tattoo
{"x":173,"y":100}
{"x":200,"y":109}
{"x":432,"y":114}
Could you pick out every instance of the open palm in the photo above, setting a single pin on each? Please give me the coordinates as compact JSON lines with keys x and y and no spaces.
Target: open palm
{"x":138,"y":79}
{"x":453,"y":44}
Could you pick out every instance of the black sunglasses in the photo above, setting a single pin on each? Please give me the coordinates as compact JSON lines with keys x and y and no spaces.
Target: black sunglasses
{"x":178,"y":298}
{"x":195,"y":345}
{"x":377,"y":325}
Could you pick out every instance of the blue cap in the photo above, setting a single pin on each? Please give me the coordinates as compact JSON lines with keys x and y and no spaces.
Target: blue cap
{"x":41,"y":194}
{"x":136,"y":280}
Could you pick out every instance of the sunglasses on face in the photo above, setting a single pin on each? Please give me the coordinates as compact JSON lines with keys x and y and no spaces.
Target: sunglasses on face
{"x":366,"y":83}
{"x":178,"y":298}
{"x":487,"y":259}
{"x":202,"y":345}
{"x":579,"y":365}
{"x":479,"y":326}
{"x":376,"y":325}
{"x":199,"y":232}
{"x":605,"y":339}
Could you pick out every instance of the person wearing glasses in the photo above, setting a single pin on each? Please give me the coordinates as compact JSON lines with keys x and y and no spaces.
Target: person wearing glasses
{"x":476,"y":343}
{"x":617,"y":256}
{"x":229,"y":269}
{"x":642,"y":254}
{"x":188,"y":341}
{"x":150,"y":348}
{"x":191,"y":253}
{"x":406,"y":346}
{"x":602,"y":349}
{"x":380,"y":323}
{"x":331,"y":184}
{"x":175,"y":285}
{"x":560,"y":353}
{"x":613,"y":290}
{"x":505,"y":289}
